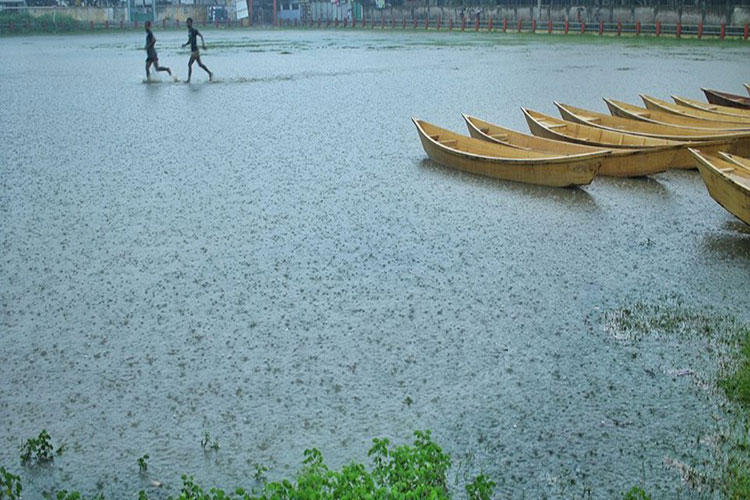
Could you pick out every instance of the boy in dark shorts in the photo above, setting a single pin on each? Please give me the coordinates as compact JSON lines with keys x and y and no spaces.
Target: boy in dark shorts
{"x":151,"y":57}
{"x":194,"y":53}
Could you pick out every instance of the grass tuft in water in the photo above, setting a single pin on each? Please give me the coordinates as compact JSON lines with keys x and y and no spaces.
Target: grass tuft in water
{"x":669,"y":317}
{"x":143,"y":464}
{"x":636,"y":493}
{"x":737,"y":384}
{"x":736,"y":477}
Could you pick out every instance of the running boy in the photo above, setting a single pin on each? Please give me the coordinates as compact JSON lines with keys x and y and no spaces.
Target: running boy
{"x":194,"y":54}
{"x":151,"y":57}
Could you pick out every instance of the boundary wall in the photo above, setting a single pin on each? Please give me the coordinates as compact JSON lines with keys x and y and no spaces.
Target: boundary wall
{"x":737,"y":16}
{"x":640,"y":21}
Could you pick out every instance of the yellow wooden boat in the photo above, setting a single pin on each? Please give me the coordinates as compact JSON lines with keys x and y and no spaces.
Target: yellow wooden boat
{"x":742,"y":162}
{"x":657,"y":154}
{"x":655,"y":104}
{"x":657,"y":130}
{"x":502,"y":162}
{"x":728,"y":181}
{"x":625,"y":110}
{"x":713,"y":108}
{"x":622,"y":162}
{"x":712,"y":143}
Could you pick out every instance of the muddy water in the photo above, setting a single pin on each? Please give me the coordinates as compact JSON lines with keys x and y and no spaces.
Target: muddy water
{"x":271,"y":259}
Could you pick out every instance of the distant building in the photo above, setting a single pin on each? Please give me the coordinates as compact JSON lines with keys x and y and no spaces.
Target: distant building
{"x":12,"y":4}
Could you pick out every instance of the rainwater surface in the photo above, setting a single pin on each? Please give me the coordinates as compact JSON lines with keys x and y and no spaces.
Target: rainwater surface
{"x":272,"y":259}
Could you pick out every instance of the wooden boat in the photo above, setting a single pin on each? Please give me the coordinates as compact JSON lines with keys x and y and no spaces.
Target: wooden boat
{"x":656,"y":155}
{"x":709,"y":142}
{"x":622,"y":162}
{"x":655,"y":104}
{"x":713,"y":108}
{"x":727,"y":181}
{"x":502,"y":162}
{"x":726,"y":99}
{"x":640,"y":127}
{"x":742,"y":162}
{"x":625,"y":110}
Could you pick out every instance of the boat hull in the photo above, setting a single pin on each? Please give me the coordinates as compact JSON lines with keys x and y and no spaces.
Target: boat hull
{"x":694,"y":114}
{"x":625,"y":110}
{"x":727,"y":190}
{"x":711,"y":108}
{"x":736,"y":143}
{"x":629,"y":162}
{"x":726,"y":99}
{"x":578,"y":170}
{"x":634,"y":162}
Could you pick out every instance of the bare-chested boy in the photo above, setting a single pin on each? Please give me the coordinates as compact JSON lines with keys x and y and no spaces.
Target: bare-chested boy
{"x":194,"y":53}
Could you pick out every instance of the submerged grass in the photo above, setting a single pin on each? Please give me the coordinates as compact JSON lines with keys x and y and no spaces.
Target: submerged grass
{"x":728,"y":341}
{"x":737,"y":383}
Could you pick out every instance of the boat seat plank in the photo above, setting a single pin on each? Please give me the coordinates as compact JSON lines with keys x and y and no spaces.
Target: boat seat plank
{"x":726,"y":170}
{"x":449,"y":142}
{"x":500,"y":137}
{"x":553,"y":125}
{"x":592,"y":119}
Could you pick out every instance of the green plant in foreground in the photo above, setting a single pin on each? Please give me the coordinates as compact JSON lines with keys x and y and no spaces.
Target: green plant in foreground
{"x":37,"y":450}
{"x":636,"y":493}
{"x":260,"y":471}
{"x":404,"y":472}
{"x":481,"y":488}
{"x":143,"y":464}
{"x":72,"y":495}
{"x":10,"y":485}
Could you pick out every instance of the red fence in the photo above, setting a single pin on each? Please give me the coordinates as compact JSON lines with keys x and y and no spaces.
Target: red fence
{"x":617,"y":28}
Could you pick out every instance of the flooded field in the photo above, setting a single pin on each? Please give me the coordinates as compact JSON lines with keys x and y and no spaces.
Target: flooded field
{"x":270,"y":258}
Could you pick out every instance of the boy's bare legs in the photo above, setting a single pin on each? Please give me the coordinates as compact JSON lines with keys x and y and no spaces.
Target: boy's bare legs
{"x":190,"y":67}
{"x":200,"y":63}
{"x":162,"y":68}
